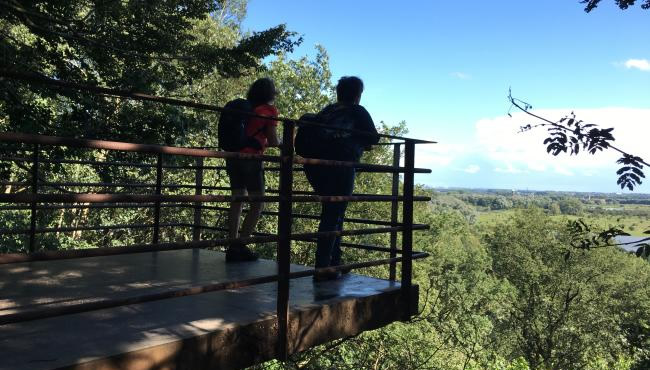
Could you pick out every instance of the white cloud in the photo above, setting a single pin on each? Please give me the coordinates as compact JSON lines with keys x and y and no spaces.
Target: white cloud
{"x":563,"y":171}
{"x":437,"y":155}
{"x":461,"y":75}
{"x":508,"y":169}
{"x":498,"y":140}
{"x":539,"y":167}
{"x":640,"y":64}
{"x":506,"y":158}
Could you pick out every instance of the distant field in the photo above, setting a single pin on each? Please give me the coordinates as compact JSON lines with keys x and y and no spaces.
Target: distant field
{"x":634,"y":225}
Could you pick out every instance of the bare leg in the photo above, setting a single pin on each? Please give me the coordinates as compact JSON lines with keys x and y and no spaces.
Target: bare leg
{"x":234,"y":215}
{"x":253,"y":216}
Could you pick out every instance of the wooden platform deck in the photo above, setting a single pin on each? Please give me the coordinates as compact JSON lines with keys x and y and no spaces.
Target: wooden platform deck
{"x":218,"y":330}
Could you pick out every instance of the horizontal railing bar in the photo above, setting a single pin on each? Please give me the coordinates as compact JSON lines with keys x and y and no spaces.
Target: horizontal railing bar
{"x":370,"y":247}
{"x":95,"y":252}
{"x":89,"y":228}
{"x":343,"y":244}
{"x":14,"y":183}
{"x":127,"y":226}
{"x":99,"y":163}
{"x":139,"y":248}
{"x":85,"y":206}
{"x":80,"y":161}
{"x":184,"y":205}
{"x":305,"y":216}
{"x":17,"y":137}
{"x":356,"y":265}
{"x":313,"y":236}
{"x":41,"y":79}
{"x":108,"y":163}
{"x":205,"y":198}
{"x":169,"y":186}
{"x":142,"y":226}
{"x":173,"y":150}
{"x":15,"y":159}
{"x":185,"y":292}
{"x":382,"y":230}
{"x":187,"y":167}
{"x":99,"y":184}
{"x":129,"y":185}
{"x":366,"y":166}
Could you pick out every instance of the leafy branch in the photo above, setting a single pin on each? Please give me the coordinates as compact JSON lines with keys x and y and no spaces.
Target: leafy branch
{"x":623,"y":4}
{"x":584,"y":237}
{"x":571,"y":135}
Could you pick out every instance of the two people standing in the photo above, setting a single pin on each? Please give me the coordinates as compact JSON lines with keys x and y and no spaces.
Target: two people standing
{"x":247,"y":176}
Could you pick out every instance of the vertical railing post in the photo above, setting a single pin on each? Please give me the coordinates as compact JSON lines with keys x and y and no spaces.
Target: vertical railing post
{"x":394,"y":210}
{"x":407,"y":221}
{"x":198,"y":190}
{"x":32,"y":227}
{"x":284,"y":238}
{"x":156,"y":211}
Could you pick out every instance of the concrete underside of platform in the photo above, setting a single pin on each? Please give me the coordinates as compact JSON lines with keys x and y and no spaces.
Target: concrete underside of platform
{"x":219,"y":330}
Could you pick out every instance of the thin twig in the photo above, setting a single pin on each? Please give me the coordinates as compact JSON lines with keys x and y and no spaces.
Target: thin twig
{"x":564,"y":128}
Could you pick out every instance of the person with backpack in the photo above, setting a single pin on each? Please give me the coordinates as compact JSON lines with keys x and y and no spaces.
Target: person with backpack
{"x":341,"y":145}
{"x":242,"y":133}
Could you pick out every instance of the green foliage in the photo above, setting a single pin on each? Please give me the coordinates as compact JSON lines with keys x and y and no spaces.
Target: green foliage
{"x":149,"y":47}
{"x":303,"y":85}
{"x":459,"y":303}
{"x":569,"y":308}
{"x":442,"y":202}
{"x":570,"y":206}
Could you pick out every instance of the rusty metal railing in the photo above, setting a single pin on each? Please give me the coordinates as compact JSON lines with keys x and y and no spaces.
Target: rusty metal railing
{"x":37,"y":195}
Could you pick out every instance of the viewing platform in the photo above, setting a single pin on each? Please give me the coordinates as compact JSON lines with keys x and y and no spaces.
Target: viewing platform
{"x":112,"y":252}
{"x":224,"y":329}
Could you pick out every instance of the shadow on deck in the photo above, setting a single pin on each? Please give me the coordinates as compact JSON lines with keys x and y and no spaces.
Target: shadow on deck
{"x":218,"y":330}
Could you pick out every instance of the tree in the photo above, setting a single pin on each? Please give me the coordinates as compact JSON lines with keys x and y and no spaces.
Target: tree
{"x":460,"y":303}
{"x":149,"y":47}
{"x":570,"y":309}
{"x":303,"y":85}
{"x":570,"y":206}
{"x":554,"y":209}
{"x":623,"y":4}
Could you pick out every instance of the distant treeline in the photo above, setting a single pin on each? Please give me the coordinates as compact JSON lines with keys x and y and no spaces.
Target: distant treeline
{"x":468,"y":203}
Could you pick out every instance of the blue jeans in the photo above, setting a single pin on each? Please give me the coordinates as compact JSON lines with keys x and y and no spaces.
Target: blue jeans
{"x":327,"y":180}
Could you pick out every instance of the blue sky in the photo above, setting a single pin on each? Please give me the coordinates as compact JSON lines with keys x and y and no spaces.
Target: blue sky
{"x":445,"y":68}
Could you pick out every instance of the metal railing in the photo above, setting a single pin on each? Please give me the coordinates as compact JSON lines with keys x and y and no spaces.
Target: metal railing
{"x":38,"y":196}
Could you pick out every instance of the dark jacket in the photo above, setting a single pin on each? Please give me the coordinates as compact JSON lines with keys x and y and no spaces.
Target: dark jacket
{"x":348,"y":146}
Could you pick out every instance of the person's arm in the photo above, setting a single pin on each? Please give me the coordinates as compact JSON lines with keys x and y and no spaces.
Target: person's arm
{"x":270,"y":125}
{"x":271,"y":133}
{"x":365,"y":123}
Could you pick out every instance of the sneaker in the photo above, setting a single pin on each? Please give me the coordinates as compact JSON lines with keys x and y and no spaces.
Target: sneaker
{"x":240,"y":253}
{"x":326,"y":275}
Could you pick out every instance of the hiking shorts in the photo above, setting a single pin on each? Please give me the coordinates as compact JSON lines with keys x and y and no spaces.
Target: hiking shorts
{"x":246,"y":174}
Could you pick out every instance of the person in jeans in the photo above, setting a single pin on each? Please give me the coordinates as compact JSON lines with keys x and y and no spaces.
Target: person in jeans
{"x":339,"y":180}
{"x":247,"y":176}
